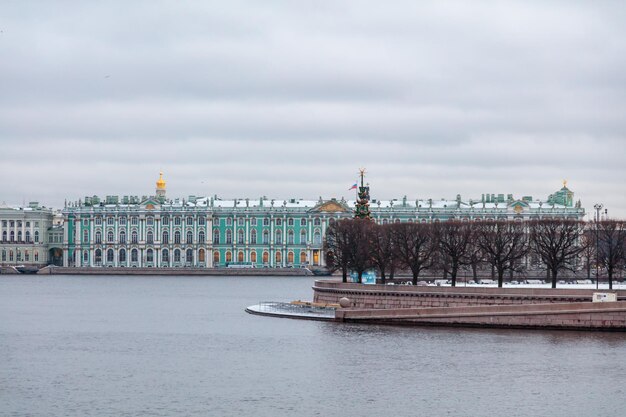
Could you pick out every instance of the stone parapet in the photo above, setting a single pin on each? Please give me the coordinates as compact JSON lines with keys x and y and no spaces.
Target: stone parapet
{"x":407,"y":296}
{"x":574,"y":316}
{"x":476,"y":307}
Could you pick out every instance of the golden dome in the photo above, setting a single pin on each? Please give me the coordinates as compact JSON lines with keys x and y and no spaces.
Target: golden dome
{"x":161,"y":182}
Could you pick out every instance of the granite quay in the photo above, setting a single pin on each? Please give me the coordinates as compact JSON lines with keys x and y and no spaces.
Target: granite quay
{"x":566,"y":309}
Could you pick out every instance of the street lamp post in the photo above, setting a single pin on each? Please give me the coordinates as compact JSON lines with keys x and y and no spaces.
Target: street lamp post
{"x":598,"y":207}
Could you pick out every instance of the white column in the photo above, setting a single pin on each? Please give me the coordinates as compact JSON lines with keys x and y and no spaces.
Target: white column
{"x":246,"y":240}
{"x":272,"y":249}
{"x":65,"y":244}
{"x":209,"y":239}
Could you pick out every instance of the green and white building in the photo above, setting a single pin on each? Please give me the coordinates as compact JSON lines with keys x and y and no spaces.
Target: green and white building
{"x":206,"y":232}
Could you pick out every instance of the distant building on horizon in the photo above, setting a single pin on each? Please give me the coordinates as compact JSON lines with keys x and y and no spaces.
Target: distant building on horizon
{"x":30,"y":236}
{"x":205,"y":232}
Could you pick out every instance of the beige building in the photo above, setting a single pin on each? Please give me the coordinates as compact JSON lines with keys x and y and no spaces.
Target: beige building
{"x":27,"y":234}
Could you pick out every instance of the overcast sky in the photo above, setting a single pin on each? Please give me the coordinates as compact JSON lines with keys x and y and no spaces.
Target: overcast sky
{"x":289,"y":98}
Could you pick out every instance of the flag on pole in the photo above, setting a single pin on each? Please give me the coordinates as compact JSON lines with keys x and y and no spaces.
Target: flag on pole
{"x":353,"y":187}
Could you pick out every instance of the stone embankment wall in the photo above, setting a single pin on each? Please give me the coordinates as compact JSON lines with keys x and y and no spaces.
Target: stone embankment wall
{"x":407,"y":296}
{"x":177,"y":271}
{"x":475,"y":307}
{"x":566,"y":316}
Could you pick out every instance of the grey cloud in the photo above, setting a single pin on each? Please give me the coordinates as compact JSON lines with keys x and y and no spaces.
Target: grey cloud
{"x":288,"y":99}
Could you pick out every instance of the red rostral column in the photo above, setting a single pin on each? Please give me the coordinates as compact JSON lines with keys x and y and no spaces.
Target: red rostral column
{"x":362,"y":210}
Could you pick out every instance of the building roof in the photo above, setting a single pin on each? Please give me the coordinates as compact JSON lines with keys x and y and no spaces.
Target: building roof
{"x":486,"y":202}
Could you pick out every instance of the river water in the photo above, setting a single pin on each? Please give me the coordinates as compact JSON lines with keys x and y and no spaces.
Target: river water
{"x":183,"y":346}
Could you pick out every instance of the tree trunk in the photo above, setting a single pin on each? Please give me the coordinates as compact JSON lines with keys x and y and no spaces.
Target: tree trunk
{"x":610,"y":274}
{"x":475,"y":272}
{"x":415,"y":274}
{"x":453,"y":273}
{"x":344,"y":272}
{"x":382,"y":275}
{"x":500,"y":278}
{"x":554,"y":273}
{"x":360,"y":278}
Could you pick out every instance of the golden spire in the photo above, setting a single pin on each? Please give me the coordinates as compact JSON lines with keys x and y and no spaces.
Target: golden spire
{"x":160,"y":184}
{"x":564,"y":183}
{"x":361,"y":174}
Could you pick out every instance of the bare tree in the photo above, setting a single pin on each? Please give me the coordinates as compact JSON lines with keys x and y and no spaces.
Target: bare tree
{"x":383,"y":251}
{"x":359,"y":247}
{"x":414,"y":245}
{"x":337,"y":247}
{"x":475,"y":254}
{"x":588,"y":253}
{"x":557,"y":243}
{"x":504,"y":244}
{"x":611,"y":246}
{"x":453,"y":246}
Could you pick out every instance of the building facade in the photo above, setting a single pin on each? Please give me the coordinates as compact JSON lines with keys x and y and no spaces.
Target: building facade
{"x":25,"y":236}
{"x":206,"y":232}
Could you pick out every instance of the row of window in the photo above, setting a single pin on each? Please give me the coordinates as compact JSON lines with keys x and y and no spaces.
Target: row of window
{"x":12,"y":223}
{"x":134,"y":220}
{"x":165,"y":237}
{"x":19,"y":253}
{"x":266,"y":221}
{"x":11,"y":236}
{"x":165,"y":221}
{"x":55,"y":238}
{"x":278,"y":257}
{"x":134,"y":256}
{"x":278,"y":237}
{"x":165,"y":256}
{"x":177,"y":220}
{"x":463,"y":219}
{"x":229,"y":221}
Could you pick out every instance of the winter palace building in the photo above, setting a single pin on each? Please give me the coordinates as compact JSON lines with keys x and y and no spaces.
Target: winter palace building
{"x":205,"y":232}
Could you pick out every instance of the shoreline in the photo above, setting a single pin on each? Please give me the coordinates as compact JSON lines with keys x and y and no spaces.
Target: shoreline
{"x":176,"y":271}
{"x":520,"y":308}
